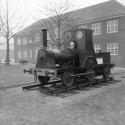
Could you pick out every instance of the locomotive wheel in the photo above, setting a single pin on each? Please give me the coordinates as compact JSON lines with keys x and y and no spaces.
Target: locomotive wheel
{"x":106,"y":74}
{"x":91,"y":76}
{"x":67,"y":80}
{"x":43,"y":80}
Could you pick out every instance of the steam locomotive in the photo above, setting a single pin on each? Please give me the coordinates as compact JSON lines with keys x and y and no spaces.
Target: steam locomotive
{"x":77,"y":63}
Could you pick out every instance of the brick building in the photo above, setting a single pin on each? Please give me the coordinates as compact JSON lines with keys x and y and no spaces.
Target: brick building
{"x":106,"y":19}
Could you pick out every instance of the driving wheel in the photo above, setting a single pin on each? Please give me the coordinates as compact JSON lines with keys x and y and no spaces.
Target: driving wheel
{"x":67,"y":80}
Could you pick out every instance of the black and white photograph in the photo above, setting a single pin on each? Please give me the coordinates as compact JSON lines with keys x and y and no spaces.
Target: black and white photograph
{"x":62,"y":62}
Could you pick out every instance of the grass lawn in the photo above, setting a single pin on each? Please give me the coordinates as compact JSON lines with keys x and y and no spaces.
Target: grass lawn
{"x":100,"y":106}
{"x":13,"y":75}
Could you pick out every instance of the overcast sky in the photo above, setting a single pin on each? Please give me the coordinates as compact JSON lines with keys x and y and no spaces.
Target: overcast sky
{"x":30,"y":8}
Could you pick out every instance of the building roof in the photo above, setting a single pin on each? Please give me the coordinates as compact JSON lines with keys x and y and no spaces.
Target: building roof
{"x":99,"y":11}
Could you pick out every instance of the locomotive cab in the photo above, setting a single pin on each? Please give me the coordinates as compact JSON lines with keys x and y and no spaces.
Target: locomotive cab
{"x":83,"y":39}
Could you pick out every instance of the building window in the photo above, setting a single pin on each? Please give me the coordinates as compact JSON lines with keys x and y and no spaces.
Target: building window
{"x":30,"y":40}
{"x":55,"y":33}
{"x":97,"y":48}
{"x":112,"y":26}
{"x":83,"y":27}
{"x":36,"y":52}
{"x":30,"y":53}
{"x":112,"y":48}
{"x":97,"y":28}
{"x":37,"y":37}
{"x":19,"y":41}
{"x":19,"y":54}
{"x":25,"y":53}
{"x":48,"y":36}
{"x":24,"y":41}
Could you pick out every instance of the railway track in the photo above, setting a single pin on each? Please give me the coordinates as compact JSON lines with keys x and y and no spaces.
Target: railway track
{"x":20,"y":85}
{"x":57,"y":88}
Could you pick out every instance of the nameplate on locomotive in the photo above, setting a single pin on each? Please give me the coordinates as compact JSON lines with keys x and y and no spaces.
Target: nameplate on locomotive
{"x":99,"y":60}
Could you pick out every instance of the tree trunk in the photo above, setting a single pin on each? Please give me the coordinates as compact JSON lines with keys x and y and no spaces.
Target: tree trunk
{"x":7,"y":52}
{"x":59,"y":44}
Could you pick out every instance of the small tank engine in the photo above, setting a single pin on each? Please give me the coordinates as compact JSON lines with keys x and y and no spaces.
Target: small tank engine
{"x":78,"y":62}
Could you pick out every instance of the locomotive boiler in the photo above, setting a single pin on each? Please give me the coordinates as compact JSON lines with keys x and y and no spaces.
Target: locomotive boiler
{"x":76,"y":63}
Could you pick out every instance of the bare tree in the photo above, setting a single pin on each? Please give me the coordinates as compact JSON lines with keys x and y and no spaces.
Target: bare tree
{"x":56,"y":17}
{"x":10,"y":23}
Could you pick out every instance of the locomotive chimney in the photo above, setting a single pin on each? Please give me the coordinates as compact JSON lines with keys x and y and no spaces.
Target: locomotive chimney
{"x":44,"y":36}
